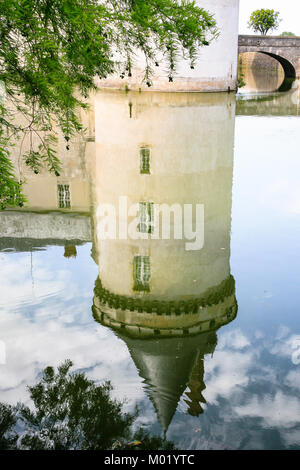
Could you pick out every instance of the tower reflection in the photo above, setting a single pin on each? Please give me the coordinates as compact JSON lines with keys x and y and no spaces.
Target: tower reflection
{"x":163,"y":300}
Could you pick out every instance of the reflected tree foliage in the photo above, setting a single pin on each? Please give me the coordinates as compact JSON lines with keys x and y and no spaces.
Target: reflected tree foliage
{"x":71,"y":412}
{"x":8,"y":437}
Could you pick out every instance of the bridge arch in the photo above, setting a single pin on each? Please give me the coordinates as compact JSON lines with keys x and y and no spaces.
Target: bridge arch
{"x":289,"y":69}
{"x":286,"y":50}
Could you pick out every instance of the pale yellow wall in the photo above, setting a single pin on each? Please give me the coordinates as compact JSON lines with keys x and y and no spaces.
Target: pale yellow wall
{"x":41,"y":189}
{"x":191,"y":140}
{"x":42,"y":194}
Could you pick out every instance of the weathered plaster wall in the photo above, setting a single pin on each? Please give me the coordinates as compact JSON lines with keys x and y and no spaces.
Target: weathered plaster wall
{"x":217,"y":64}
{"x":41,"y":190}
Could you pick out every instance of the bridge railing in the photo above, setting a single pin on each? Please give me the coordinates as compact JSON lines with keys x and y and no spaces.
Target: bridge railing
{"x":269,"y":41}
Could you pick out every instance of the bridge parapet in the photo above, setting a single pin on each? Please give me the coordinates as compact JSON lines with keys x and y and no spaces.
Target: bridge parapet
{"x":269,"y":41}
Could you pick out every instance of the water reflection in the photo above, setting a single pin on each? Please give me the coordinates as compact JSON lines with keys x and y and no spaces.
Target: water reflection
{"x":163,"y":301}
{"x":250,"y":366}
{"x":260,"y":72}
{"x":169,"y":367}
{"x":70,"y":412}
{"x":271,"y":104}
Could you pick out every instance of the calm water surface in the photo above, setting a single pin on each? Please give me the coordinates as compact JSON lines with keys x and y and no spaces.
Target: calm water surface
{"x":235,"y":384}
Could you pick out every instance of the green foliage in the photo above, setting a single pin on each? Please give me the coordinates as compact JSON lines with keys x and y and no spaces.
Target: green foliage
{"x":263,"y":21}
{"x":71,"y":412}
{"x":52,"y":50}
{"x":287,"y":33}
{"x":240,"y":80}
{"x":8,"y":437}
{"x":10,"y":188}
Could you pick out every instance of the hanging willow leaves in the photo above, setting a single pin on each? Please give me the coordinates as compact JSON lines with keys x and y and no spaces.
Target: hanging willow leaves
{"x":51,"y":51}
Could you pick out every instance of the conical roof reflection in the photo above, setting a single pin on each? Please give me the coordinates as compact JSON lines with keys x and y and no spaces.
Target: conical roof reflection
{"x":166,"y":365}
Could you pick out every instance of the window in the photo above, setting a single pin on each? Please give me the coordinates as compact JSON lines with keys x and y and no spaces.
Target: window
{"x":141,"y":273}
{"x":145,"y":161}
{"x":146,"y":214}
{"x":63,"y":196}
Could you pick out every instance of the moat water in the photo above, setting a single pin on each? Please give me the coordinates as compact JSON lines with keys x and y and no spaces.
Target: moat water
{"x":65,"y":294}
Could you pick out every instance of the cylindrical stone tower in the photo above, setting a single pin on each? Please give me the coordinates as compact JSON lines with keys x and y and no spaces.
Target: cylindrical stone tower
{"x":176,"y":150}
{"x":163,"y":299}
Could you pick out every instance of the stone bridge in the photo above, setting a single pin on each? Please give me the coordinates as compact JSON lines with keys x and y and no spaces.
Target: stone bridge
{"x":284,"y":49}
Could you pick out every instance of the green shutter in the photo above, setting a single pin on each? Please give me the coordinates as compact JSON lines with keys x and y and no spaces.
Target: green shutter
{"x":64,"y":200}
{"x":141,"y":273}
{"x":145,"y":161}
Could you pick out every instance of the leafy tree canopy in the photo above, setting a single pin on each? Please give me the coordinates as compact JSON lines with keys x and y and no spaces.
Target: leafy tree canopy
{"x":52,"y":50}
{"x":263,"y":20}
{"x":287,"y":33}
{"x":71,"y":412}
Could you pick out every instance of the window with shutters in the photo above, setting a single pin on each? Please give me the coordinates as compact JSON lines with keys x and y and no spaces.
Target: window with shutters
{"x":64,"y":200}
{"x":146,"y":216}
{"x":141,"y":273}
{"x":145,"y":161}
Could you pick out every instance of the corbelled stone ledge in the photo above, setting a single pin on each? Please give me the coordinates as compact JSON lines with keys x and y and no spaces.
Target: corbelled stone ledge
{"x":139,"y":317}
{"x":212,"y":296}
{"x":171,"y":326}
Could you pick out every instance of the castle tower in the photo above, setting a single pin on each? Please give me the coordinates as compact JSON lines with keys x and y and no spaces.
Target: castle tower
{"x":188,"y":139}
{"x":163,"y":299}
{"x":216,"y":67}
